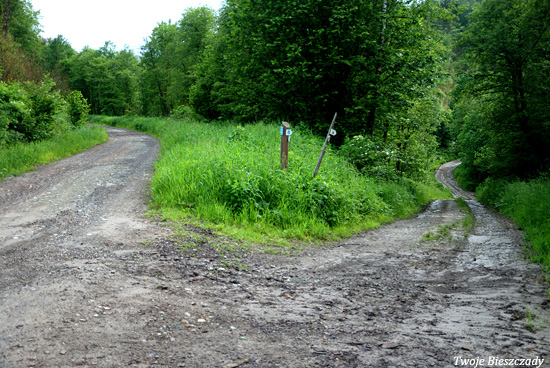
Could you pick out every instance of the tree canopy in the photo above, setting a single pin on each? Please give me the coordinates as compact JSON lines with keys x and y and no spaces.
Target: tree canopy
{"x":503,"y":93}
{"x":404,"y":76}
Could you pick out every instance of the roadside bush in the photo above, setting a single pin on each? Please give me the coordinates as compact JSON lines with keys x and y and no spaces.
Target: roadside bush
{"x":371,"y":156}
{"x":491,"y":192}
{"x":78,"y":108}
{"x":528,"y":204}
{"x":47,"y":107}
{"x":374,"y":157}
{"x":30,"y":112}
{"x":184,"y":112}
{"x":15,"y":112}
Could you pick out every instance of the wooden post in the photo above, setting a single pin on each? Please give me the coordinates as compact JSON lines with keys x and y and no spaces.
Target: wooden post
{"x":327,"y":139}
{"x":284,"y":145}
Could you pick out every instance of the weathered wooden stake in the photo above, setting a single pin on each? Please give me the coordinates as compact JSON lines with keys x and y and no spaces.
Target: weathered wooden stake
{"x":284,"y":145}
{"x":324,"y":146}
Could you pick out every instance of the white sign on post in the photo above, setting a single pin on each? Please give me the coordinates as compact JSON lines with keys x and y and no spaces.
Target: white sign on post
{"x":332,"y":132}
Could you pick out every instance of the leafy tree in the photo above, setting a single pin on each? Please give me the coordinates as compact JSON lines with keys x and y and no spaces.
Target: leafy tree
{"x":56,"y":50}
{"x":169,"y":59}
{"x":20,"y":42}
{"x":210,"y":95}
{"x":107,"y":78}
{"x":21,"y":22}
{"x":156,"y":62}
{"x":506,"y":46}
{"x":305,"y":61}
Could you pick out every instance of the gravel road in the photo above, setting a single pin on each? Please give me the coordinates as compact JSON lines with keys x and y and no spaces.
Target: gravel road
{"x":87,"y":280}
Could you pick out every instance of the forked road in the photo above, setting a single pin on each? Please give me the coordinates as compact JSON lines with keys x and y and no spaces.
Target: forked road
{"x":87,"y":280}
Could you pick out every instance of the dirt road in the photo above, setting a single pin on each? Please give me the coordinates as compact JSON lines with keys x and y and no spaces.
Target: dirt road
{"x":86,"y":280}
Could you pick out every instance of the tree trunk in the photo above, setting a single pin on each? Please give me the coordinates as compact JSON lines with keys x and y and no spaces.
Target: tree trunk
{"x":371,"y":117}
{"x":6,"y":19}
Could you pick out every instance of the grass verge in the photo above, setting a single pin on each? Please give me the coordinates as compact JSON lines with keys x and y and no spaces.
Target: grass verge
{"x":227,"y":177}
{"x":23,"y":157}
{"x":528,"y":204}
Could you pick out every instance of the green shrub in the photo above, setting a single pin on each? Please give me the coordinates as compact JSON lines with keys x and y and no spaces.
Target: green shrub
{"x":184,"y":112}
{"x":375,"y":157}
{"x":528,"y":204}
{"x":47,"y":107}
{"x":371,"y":156}
{"x":491,"y":192}
{"x":77,"y":108}
{"x":15,"y":112}
{"x":30,"y":112}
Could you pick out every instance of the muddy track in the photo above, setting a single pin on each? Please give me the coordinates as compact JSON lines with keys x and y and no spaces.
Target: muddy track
{"x":87,"y":280}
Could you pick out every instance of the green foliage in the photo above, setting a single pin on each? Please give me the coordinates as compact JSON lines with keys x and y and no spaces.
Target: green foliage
{"x":502,"y":97}
{"x":466,"y":178}
{"x":183,"y":113}
{"x":169,"y":59}
{"x":408,"y":151}
{"x":108,"y":79}
{"x":78,"y":108}
{"x":230,"y":175}
{"x":46,"y":106}
{"x":56,"y":51}
{"x":21,"y":22}
{"x":20,"y":42}
{"x":14,"y":112}
{"x":22,"y":157}
{"x":30,"y":112}
{"x":304,"y":61}
{"x":528,"y":204}
{"x":371,"y":156}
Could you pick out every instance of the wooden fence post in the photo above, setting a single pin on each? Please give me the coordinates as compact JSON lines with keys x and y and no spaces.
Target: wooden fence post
{"x":284,"y":145}
{"x":327,"y":139}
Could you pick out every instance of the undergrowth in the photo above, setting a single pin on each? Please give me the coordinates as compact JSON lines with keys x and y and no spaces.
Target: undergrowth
{"x":228,"y":177}
{"x":528,"y":204}
{"x":22,"y":157}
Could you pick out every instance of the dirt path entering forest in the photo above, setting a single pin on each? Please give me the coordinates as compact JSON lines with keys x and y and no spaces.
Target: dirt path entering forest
{"x":86,"y":280}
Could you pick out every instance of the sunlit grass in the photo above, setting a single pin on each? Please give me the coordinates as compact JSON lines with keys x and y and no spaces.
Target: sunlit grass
{"x":23,"y":157}
{"x":228,"y":178}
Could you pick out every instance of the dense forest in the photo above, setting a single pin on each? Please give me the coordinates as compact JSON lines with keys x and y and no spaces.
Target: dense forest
{"x":406,"y":77}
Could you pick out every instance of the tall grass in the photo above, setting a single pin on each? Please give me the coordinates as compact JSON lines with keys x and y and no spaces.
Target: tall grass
{"x":528,"y":204}
{"x":22,"y":157}
{"x":230,"y":175}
